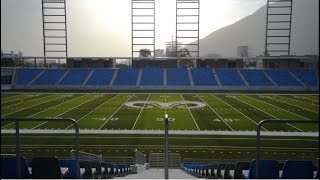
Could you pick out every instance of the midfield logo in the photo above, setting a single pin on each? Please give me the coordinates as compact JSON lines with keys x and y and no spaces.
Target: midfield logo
{"x":168,"y":105}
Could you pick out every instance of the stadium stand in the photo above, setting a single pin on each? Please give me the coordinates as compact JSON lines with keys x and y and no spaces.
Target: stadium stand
{"x":282,"y":77}
{"x":75,"y":77}
{"x":203,"y":77}
{"x":152,"y":77}
{"x":177,"y":77}
{"x":8,"y":168}
{"x":229,"y":77}
{"x":307,"y":76}
{"x":100,"y":77}
{"x":25,"y":76}
{"x":256,"y":77}
{"x":297,"y":170}
{"x":126,"y":77}
{"x":71,"y":165}
{"x":269,"y":169}
{"x":49,"y":77}
{"x":46,"y":168}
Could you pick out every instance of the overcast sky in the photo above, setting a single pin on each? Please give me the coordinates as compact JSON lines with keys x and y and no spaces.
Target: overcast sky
{"x":103,"y":27}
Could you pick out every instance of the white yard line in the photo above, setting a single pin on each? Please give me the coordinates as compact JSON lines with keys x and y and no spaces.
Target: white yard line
{"x":140,"y":112}
{"x":93,"y":110}
{"x":15,"y":100}
{"x":291,"y":104}
{"x":215,"y":112}
{"x":116,"y":112}
{"x":240,"y":112}
{"x":67,"y":110}
{"x":277,"y":107}
{"x":191,"y":114}
{"x":31,"y":106}
{"x":266,"y":113}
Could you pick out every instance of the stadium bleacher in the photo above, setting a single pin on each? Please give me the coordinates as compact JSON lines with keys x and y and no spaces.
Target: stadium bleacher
{"x":255,"y":77}
{"x":75,"y":77}
{"x":25,"y":76}
{"x":203,"y":77}
{"x":152,"y":77}
{"x":49,"y":77}
{"x":178,"y":77}
{"x":307,"y":76}
{"x":229,"y":77}
{"x":282,"y":77}
{"x":100,"y":77}
{"x":126,"y":77}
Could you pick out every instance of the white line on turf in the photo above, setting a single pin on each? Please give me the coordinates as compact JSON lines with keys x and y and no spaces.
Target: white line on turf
{"x":191,"y":114}
{"x":216,"y":113}
{"x":302,"y":97}
{"x":140,"y":112}
{"x":30,"y":106}
{"x":277,"y":107}
{"x":293,"y":104}
{"x":67,"y":110}
{"x":266,"y":113}
{"x":238,"y":111}
{"x":92,"y":110}
{"x":116,"y":111}
{"x":15,"y":99}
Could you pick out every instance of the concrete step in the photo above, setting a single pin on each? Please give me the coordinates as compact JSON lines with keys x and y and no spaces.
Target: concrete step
{"x":155,"y":173}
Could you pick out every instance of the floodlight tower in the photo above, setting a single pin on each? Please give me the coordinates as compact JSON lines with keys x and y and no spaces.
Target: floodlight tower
{"x":278,"y":27}
{"x":142,"y":26}
{"x":187,"y":24}
{"x":54,"y":21}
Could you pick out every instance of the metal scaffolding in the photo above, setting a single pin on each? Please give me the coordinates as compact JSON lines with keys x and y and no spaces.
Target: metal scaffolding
{"x":54,"y":28}
{"x":142,"y":26}
{"x":278,"y":27}
{"x":187,"y":25}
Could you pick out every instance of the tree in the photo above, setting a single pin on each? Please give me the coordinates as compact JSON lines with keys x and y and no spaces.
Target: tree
{"x":185,"y":62}
{"x":144,"y":53}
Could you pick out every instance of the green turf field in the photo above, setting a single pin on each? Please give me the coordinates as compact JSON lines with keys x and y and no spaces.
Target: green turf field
{"x":196,"y":112}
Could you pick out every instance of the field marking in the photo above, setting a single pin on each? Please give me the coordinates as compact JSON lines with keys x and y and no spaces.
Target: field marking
{"x":292,"y":104}
{"x":140,"y":112}
{"x":30,"y":106}
{"x":67,"y":110}
{"x":266,"y":113}
{"x":39,"y":111}
{"x":298,"y":98}
{"x":116,"y":112}
{"x":277,"y":107}
{"x":92,"y":110}
{"x":17,"y":99}
{"x":21,"y":101}
{"x":238,"y":111}
{"x":191,"y":114}
{"x":215,"y":112}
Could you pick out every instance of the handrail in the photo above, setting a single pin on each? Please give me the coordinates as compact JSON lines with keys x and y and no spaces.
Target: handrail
{"x":273,"y":121}
{"x":17,"y":123}
{"x":140,"y":158}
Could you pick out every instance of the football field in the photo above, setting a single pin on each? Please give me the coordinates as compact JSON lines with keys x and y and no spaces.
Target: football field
{"x":143,"y":112}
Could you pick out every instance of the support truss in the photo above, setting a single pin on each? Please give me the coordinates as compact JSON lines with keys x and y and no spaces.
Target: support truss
{"x":54,"y":28}
{"x":278,"y":27}
{"x":187,"y":25}
{"x":142,"y":26}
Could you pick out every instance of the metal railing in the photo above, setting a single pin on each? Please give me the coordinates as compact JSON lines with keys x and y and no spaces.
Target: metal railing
{"x":274,"y":121}
{"x":17,"y":124}
{"x":139,"y":157}
{"x":86,"y":156}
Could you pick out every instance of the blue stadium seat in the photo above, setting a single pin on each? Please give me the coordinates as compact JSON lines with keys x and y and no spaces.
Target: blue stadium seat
{"x":203,"y":77}
{"x":75,"y":77}
{"x":269,"y":169}
{"x":282,"y":77}
{"x":25,"y":76}
{"x":297,"y":170}
{"x":307,"y":76}
{"x":101,"y":77}
{"x":255,"y":77}
{"x":72,"y":168}
{"x":229,"y":77}
{"x":49,"y":77}
{"x":9,"y":168}
{"x":46,"y":168}
{"x":88,"y":171}
{"x":127,"y":76}
{"x":152,"y":77}
{"x":178,"y":77}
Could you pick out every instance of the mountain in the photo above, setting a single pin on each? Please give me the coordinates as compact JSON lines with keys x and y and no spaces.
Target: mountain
{"x":250,"y":31}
